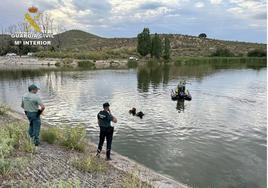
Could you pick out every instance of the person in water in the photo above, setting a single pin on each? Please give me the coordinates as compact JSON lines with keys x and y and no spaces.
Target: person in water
{"x":33,"y":107}
{"x":106,"y":129}
{"x":180,"y":88}
{"x":140,"y":114}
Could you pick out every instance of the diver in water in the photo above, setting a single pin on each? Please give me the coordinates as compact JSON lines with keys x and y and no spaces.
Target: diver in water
{"x":180,"y":90}
{"x":134,"y":112}
{"x":180,"y":105}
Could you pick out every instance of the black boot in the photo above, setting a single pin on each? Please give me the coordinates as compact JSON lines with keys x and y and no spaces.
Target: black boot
{"x":98,"y":153}
{"x":108,"y":155}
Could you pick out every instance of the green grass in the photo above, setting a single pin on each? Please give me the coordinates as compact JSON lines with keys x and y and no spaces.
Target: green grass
{"x":49,"y":135}
{"x":3,"y":109}
{"x":13,"y":137}
{"x":75,"y":55}
{"x":202,"y":60}
{"x":132,"y":180}
{"x":70,"y":137}
{"x":132,"y":64}
{"x":88,"y":163}
{"x":86,"y":64}
{"x":104,"y":54}
{"x":7,"y":166}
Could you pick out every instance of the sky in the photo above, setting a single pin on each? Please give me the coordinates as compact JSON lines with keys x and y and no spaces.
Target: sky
{"x":238,"y":20}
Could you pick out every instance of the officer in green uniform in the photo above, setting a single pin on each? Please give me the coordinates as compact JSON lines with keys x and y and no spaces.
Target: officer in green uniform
{"x":33,"y":107}
{"x":106,"y":130}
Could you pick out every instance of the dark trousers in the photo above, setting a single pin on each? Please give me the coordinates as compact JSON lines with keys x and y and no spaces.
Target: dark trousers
{"x":106,"y":132}
{"x":34,"y":127}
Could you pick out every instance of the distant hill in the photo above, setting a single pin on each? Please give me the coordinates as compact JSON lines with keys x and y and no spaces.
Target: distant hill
{"x":182,"y":45}
{"x":77,"y":40}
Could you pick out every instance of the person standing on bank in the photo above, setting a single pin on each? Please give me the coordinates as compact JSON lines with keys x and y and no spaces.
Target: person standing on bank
{"x":106,"y":129}
{"x":33,"y":107}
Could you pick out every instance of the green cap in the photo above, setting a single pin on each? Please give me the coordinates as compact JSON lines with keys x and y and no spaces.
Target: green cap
{"x":32,"y":87}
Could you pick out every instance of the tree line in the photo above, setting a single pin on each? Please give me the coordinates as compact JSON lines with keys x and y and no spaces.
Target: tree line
{"x":153,"y":45}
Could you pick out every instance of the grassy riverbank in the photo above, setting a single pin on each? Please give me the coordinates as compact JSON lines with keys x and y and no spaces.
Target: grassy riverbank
{"x":64,"y":159}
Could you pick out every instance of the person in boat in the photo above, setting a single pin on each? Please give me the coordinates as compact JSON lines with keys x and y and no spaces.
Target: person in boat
{"x":106,"y":129}
{"x":180,"y":90}
{"x":33,"y":107}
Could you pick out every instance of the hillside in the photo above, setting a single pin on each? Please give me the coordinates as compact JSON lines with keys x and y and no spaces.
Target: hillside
{"x":182,"y":45}
{"x":76,"y":40}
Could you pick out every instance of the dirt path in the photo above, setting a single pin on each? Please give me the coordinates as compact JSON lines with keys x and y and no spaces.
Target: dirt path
{"x":52,"y":164}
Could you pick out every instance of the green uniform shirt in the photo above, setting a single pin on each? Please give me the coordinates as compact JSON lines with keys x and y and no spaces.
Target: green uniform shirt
{"x":31,"y":102}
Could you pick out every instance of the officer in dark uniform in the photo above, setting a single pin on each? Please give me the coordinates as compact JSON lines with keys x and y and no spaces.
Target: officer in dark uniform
{"x":106,"y":130}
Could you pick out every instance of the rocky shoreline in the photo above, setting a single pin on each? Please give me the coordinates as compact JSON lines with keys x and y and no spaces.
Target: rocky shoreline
{"x":12,"y":61}
{"x":51,"y":163}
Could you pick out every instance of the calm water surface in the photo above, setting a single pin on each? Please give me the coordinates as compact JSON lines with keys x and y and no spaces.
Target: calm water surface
{"x":216,"y":140}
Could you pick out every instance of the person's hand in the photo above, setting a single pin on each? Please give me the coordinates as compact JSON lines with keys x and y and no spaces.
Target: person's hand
{"x":39,"y":112}
{"x":114,"y":120}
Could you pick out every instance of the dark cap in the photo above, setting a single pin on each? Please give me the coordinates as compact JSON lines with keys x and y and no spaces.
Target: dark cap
{"x":32,"y":87}
{"x":106,"y":105}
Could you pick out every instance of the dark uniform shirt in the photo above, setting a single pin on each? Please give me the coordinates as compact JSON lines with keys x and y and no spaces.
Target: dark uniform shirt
{"x":104,"y":118}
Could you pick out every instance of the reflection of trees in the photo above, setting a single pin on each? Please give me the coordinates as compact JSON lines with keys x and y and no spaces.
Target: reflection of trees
{"x":152,"y":74}
{"x":143,"y":80}
{"x":155,"y":74}
{"x":18,"y":74}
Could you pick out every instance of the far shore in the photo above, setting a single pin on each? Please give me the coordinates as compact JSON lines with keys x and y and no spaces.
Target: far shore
{"x":20,"y":61}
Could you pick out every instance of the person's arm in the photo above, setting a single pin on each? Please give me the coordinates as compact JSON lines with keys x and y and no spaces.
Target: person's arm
{"x":112,"y":118}
{"x":98,"y":117}
{"x":42,"y":107}
{"x":40,"y":103}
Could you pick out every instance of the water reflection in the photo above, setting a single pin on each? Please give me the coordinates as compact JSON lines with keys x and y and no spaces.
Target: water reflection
{"x":180,"y":105}
{"x":212,"y":142}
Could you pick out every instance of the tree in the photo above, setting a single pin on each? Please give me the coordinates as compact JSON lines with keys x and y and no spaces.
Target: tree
{"x":257,"y":53}
{"x":166,"y":53}
{"x":156,"y":50}
{"x":223,"y":52}
{"x":202,"y":35}
{"x":144,"y":42}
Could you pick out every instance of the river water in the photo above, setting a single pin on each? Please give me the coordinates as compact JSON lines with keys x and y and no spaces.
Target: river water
{"x":216,"y":140}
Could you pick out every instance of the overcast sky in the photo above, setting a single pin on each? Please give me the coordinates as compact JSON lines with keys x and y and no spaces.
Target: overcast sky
{"x":243,"y":20}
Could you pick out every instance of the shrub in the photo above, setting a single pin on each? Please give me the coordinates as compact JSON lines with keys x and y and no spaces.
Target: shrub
{"x":69,"y":137}
{"x":57,"y":64}
{"x":132,"y":63}
{"x":257,"y":53}
{"x":13,"y":136}
{"x":202,"y":35}
{"x":3,"y":109}
{"x":222,"y":52}
{"x":7,"y":166}
{"x":73,"y":138}
{"x":89,"y":164}
{"x":86,"y":64}
{"x":131,"y":180}
{"x":49,"y":135}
